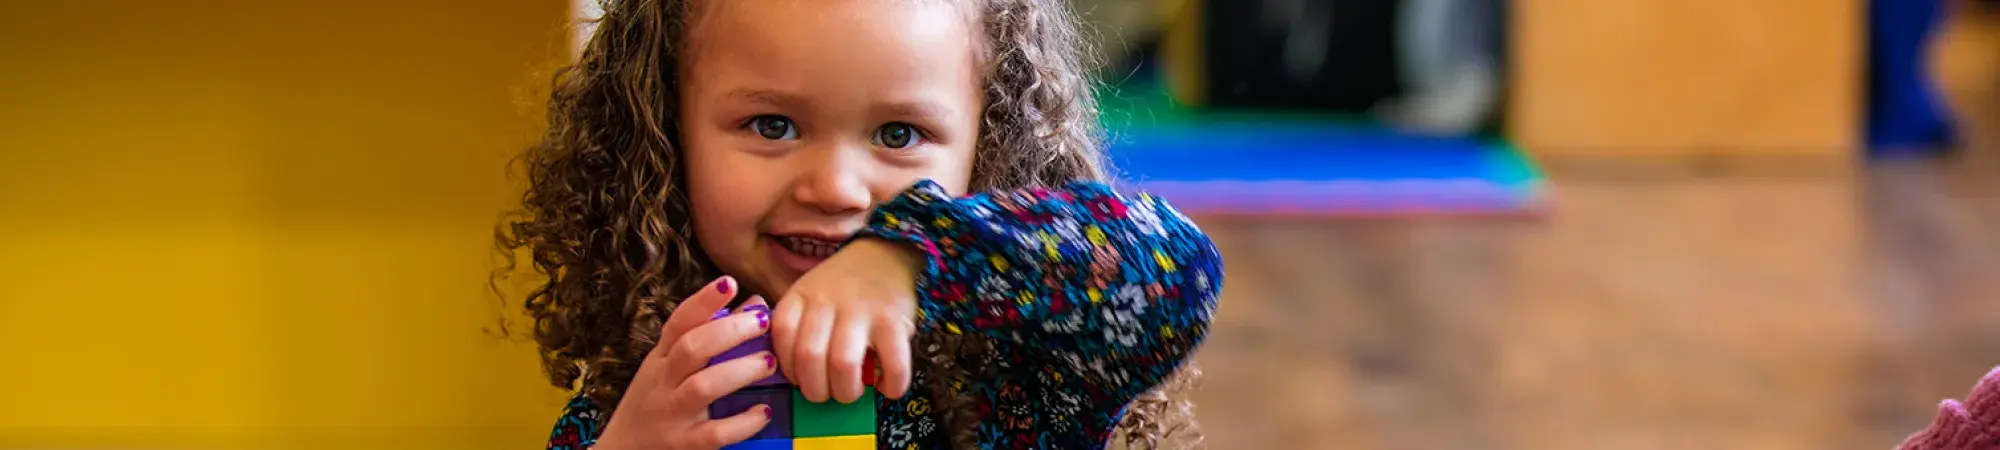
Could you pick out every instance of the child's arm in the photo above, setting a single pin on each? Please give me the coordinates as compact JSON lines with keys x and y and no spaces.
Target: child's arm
{"x":1116,"y":291}
{"x":1971,"y":425}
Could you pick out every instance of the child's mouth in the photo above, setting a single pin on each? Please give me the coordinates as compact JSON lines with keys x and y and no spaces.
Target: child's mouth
{"x":801,"y":253}
{"x":809,"y":247}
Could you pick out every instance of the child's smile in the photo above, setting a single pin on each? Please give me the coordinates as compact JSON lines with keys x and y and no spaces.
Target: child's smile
{"x":798,"y":117}
{"x":801,"y":252}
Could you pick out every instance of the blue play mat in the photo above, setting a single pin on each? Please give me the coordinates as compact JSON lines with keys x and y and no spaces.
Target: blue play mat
{"x":1268,"y":163}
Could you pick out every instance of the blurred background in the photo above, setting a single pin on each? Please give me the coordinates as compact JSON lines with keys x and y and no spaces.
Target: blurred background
{"x":1449,"y":224}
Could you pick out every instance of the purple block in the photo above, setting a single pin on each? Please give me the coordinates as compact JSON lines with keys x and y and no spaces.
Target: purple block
{"x":780,"y":400}
{"x":759,"y":344}
{"x":724,"y":312}
{"x":752,"y":347}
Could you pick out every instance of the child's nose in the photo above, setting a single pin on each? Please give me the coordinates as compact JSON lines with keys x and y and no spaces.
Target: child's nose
{"x":835,"y":184}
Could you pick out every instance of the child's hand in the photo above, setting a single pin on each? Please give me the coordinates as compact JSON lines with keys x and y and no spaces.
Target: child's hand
{"x":862,"y":297}
{"x":666,"y":406}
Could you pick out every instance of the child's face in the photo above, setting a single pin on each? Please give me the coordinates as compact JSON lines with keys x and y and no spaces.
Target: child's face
{"x":799,"y":116}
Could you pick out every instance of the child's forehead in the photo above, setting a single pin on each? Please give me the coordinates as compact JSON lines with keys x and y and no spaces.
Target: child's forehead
{"x":788,"y":38}
{"x":847,"y":12}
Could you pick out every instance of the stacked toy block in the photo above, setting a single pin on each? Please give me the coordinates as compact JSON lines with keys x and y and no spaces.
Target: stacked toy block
{"x":797,"y":423}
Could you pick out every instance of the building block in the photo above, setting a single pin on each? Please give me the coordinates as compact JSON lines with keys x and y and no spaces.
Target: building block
{"x":857,"y":442}
{"x":871,"y":369}
{"x":752,"y":347}
{"x":796,"y":422}
{"x":833,"y":418}
{"x":779,"y":398}
{"x":761,"y":444}
{"x":760,"y":344}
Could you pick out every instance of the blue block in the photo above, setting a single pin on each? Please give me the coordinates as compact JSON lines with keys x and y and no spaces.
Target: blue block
{"x":761,"y":444}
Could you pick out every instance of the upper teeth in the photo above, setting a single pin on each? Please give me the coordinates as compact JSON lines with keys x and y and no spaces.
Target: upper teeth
{"x":810,"y":247}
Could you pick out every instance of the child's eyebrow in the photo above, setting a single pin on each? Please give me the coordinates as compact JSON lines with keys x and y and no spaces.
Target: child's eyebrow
{"x":769,"y":97}
{"x":916,"y":109}
{"x":921,"y":109}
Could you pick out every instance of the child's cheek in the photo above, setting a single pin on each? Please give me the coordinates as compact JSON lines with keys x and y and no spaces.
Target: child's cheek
{"x":960,"y":184}
{"x":729,"y":194}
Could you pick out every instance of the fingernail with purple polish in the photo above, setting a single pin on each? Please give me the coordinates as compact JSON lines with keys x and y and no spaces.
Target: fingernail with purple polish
{"x":725,"y":286}
{"x":767,"y":412}
{"x":770,"y":361}
{"x":763,"y":319}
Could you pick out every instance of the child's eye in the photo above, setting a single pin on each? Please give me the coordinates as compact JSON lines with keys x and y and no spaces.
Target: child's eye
{"x":897,"y":135}
{"x":773,"y":127}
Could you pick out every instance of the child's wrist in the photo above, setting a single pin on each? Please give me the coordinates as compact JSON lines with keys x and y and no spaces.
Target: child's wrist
{"x":904,"y":257}
{"x":902,"y":266}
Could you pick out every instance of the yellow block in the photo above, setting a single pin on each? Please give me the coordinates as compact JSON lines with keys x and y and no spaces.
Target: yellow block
{"x":856,"y":442}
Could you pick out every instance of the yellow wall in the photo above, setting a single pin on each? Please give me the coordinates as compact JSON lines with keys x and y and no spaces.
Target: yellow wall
{"x":263,"y":223}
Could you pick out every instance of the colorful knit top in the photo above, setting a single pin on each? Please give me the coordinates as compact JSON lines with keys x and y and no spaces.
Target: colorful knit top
{"x":1088,"y":297}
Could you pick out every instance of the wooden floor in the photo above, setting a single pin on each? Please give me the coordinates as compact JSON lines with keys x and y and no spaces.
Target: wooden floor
{"x":1734,"y":312}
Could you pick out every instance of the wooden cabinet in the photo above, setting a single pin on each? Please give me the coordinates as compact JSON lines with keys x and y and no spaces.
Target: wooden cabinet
{"x":1688,"y":78}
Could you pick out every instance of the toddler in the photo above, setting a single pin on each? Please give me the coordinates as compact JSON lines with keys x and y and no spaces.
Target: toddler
{"x":916,"y":180}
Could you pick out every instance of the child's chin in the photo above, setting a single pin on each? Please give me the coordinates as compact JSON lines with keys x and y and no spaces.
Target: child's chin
{"x":777,"y":289}
{"x":768,"y":281}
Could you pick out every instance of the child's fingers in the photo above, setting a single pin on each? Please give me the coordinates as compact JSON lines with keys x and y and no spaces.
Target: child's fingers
{"x":705,"y":386}
{"x":695,"y":310}
{"x":809,"y":351}
{"x":785,"y":335}
{"x":843,"y":357}
{"x":726,"y":430}
{"x":698,"y":346}
{"x":892,"y":353}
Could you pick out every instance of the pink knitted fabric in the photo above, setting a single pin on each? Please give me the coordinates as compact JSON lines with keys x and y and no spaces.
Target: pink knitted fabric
{"x":1972,"y":425}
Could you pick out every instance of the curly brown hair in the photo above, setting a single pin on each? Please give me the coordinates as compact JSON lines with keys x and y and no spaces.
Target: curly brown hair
{"x":606,"y":219}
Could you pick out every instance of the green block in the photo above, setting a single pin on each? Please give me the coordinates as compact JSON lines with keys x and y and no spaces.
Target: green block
{"x":833,"y":418}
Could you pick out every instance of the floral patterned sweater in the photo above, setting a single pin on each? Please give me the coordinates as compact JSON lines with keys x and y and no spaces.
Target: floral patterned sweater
{"x":1089,"y":297}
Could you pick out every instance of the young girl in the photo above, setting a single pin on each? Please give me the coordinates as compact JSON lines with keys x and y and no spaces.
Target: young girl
{"x":917,"y":180}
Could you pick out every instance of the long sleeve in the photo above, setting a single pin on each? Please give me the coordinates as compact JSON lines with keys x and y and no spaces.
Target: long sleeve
{"x":1970,"y":425}
{"x":578,"y":427}
{"x":1114,"y":291}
